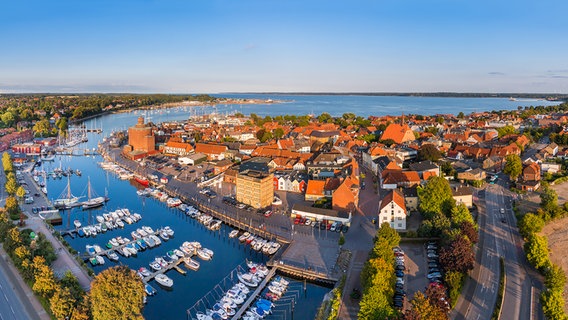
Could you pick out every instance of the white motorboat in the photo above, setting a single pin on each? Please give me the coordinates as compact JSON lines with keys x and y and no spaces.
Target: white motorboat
{"x":143,"y":271}
{"x":244,"y":236}
{"x":234,"y":233}
{"x":100,"y":259}
{"x":248,"y":279}
{"x":112,"y":255}
{"x":208,"y":251}
{"x":203,"y":255}
{"x":164,"y":280}
{"x":155,"y":266}
{"x":168,"y":231}
{"x":77,"y":223}
{"x":191,"y":264}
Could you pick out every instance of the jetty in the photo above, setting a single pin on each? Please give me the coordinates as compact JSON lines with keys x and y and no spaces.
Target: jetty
{"x":255,"y":294}
{"x":171,"y":265}
{"x":114,"y":248}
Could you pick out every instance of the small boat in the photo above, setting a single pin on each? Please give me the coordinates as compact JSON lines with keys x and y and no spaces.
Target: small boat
{"x":172,"y":255}
{"x":90,"y":250}
{"x":149,"y":290}
{"x":164,"y":280}
{"x":180,"y":254}
{"x":203,"y":255}
{"x":156,"y":239}
{"x":142,"y":244}
{"x":208,"y":251}
{"x":93,"y":261}
{"x":191,"y":264}
{"x":100,"y":259}
{"x":248,"y":279}
{"x":112,"y":255}
{"x":143,"y":271}
{"x":155,"y":266}
{"x":120,"y":223}
{"x":164,"y":235}
{"x":150,"y":242}
{"x":80,"y":232}
{"x":244,"y":236}
{"x":168,"y":231}
{"x":114,"y":242}
{"x":77,"y":223}
{"x":234,"y":233}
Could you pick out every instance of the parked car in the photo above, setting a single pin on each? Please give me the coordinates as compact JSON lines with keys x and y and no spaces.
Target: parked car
{"x":268,"y":213}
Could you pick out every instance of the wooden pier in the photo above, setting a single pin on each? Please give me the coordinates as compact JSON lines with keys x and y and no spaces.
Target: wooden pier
{"x":114,"y":248}
{"x":255,"y":294}
{"x":170,"y":266}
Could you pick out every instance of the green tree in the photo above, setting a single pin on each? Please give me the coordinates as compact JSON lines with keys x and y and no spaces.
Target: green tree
{"x":503,"y":131}
{"x":117,"y":293}
{"x":325,"y":117}
{"x":82,"y":310}
{"x":459,"y":214}
{"x":513,"y":166}
{"x":8,"y":118}
{"x":278,"y":133}
{"x":536,"y":249}
{"x":461,"y":115}
{"x":429,"y":152}
{"x":553,"y":304}
{"x":435,"y":197}
{"x":529,"y":224}
{"x":555,"y":278}
{"x":548,"y":199}
{"x":377,"y":295}
{"x":42,"y":128}
{"x":454,"y":281}
{"x":389,"y":234}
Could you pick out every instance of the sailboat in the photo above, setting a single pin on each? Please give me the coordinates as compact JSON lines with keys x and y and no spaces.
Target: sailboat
{"x":70,"y":201}
{"x":93,"y":202}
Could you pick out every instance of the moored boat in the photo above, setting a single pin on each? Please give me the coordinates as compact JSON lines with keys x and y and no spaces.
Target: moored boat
{"x":164,"y":280}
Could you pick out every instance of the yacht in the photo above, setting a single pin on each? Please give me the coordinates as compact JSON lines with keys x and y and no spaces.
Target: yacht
{"x":164,"y":280}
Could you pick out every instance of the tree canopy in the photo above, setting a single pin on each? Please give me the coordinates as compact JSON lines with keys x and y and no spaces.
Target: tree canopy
{"x":429,"y":152}
{"x":513,"y":167}
{"x":117,"y":293}
{"x":436,"y":196}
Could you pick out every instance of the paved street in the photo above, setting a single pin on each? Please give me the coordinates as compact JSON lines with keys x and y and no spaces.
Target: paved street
{"x":498,"y":237}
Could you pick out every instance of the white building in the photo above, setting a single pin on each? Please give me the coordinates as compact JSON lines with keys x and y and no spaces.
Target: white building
{"x":393,"y":210}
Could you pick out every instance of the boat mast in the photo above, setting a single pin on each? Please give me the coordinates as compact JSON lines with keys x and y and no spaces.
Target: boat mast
{"x":89,"y":187}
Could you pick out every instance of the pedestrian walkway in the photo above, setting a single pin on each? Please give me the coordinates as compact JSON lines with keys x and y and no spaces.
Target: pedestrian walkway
{"x":349,"y":307}
{"x":65,"y":261}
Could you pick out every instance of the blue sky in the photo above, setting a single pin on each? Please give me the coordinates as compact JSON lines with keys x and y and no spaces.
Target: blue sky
{"x":210,"y":46}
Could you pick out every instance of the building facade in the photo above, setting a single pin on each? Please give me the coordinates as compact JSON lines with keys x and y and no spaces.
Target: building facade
{"x":393,"y":210}
{"x":255,"y":189}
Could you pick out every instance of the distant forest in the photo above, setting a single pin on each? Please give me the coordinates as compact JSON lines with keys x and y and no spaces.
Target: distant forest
{"x":548,"y":96}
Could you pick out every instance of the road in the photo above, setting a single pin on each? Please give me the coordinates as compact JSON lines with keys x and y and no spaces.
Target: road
{"x":11,"y":305}
{"x":522,"y":287}
{"x":498,"y":237}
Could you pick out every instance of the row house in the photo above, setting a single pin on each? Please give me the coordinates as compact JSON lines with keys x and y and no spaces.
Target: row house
{"x":472,"y":175}
{"x":178,"y":148}
{"x":392,"y":179}
{"x":370,"y":155}
{"x":291,"y":182}
{"x":27,"y":148}
{"x":425,"y":169}
{"x":222,"y":166}
{"x":213,"y":151}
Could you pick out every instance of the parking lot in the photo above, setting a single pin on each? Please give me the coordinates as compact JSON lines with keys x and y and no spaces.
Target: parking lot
{"x":416,"y":268}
